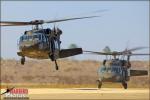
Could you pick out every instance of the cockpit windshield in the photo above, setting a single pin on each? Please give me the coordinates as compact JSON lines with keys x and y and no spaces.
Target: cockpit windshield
{"x":33,"y":37}
{"x":110,"y":69}
{"x":105,"y":69}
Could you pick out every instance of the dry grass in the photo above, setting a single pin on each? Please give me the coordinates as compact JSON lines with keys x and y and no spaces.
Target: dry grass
{"x":72,"y":73}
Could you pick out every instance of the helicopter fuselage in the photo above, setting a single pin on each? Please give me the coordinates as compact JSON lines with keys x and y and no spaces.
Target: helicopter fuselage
{"x":38,"y":44}
{"x":42,"y":43}
{"x":34,"y":52}
{"x":117,"y":71}
{"x":113,"y":73}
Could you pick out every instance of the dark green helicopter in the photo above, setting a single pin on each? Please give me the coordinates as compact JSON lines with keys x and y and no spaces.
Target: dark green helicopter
{"x":42,"y":43}
{"x":118,"y":69}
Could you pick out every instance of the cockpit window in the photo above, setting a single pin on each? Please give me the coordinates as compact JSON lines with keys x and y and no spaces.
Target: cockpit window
{"x":21,"y":38}
{"x":31,"y":37}
{"x":56,"y":44}
{"x":102,"y":69}
{"x":116,"y":63}
{"x":116,"y":69}
{"x":35,"y":36}
{"x":25,"y":37}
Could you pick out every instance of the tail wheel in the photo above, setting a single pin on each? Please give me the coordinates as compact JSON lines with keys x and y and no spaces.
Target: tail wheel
{"x":22,"y":60}
{"x":125,"y":85}
{"x":99,"y":84}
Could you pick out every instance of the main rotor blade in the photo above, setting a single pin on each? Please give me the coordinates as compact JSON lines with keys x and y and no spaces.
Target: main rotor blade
{"x":99,"y":53}
{"x":10,"y":23}
{"x":37,"y":22}
{"x":133,"y":49}
{"x":103,"y":53}
{"x":118,"y":53}
{"x":138,"y":54}
{"x":67,"y":19}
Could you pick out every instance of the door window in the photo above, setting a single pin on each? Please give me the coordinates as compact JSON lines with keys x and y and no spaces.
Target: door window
{"x":56,"y":44}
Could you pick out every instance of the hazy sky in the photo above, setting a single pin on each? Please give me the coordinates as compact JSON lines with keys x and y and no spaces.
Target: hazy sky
{"x":125,"y":23}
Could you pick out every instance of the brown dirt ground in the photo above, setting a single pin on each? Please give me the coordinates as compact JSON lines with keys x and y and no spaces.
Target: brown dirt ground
{"x":71,"y":72}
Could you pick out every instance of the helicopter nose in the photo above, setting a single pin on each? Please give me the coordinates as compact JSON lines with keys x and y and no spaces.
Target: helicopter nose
{"x":27,"y":44}
{"x":107,"y":75}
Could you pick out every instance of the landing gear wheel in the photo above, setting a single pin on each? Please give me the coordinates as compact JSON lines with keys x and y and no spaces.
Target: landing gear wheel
{"x":125,"y":85}
{"x":56,"y":66}
{"x":99,"y":84}
{"x":52,"y":57}
{"x":22,"y":60}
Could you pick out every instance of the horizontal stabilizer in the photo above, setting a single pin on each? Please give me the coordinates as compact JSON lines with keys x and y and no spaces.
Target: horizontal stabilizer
{"x":70,"y":52}
{"x":138,"y":72}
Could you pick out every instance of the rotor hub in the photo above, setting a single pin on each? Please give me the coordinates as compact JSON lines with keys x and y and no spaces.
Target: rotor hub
{"x":36,"y":22}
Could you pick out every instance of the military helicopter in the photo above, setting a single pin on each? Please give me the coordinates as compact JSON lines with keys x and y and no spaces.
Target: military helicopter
{"x":117,"y":69}
{"x":42,"y":43}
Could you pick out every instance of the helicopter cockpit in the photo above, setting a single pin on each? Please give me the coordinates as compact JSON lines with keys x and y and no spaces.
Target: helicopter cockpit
{"x":30,"y":39}
{"x":110,"y":68}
